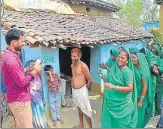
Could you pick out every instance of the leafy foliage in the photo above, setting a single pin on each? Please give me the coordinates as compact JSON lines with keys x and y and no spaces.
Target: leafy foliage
{"x":158,"y":36}
{"x":136,"y":12}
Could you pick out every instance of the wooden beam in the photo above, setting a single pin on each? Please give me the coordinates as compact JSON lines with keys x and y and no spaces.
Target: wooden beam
{"x":62,"y":46}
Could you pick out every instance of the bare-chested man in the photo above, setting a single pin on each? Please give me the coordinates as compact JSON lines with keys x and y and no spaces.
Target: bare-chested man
{"x":81,"y":80}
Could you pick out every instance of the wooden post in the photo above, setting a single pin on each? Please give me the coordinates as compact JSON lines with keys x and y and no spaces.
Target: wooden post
{"x":161,"y":17}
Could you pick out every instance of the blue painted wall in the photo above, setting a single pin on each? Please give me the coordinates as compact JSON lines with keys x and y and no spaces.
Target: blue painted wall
{"x":49,"y":57}
{"x":31,"y":54}
{"x":102,"y":54}
{"x":3,"y":42}
{"x":148,"y":25}
{"x":94,"y":63}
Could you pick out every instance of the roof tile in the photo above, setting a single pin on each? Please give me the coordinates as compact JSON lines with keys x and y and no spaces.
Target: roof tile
{"x":51,"y":29}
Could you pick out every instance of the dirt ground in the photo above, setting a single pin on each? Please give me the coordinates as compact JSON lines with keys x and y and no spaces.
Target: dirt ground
{"x":69,"y":115}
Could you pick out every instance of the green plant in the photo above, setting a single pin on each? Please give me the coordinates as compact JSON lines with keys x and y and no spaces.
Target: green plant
{"x":131,"y":11}
{"x":158,"y":36}
{"x":136,"y":12}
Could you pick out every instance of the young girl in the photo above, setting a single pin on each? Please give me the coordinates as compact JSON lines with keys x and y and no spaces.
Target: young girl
{"x":54,"y":94}
{"x":36,"y":92}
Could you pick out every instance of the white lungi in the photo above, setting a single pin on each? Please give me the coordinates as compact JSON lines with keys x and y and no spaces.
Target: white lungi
{"x":81,"y":99}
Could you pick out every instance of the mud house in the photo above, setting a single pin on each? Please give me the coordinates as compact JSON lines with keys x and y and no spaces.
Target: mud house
{"x":50,"y":37}
{"x":91,"y":7}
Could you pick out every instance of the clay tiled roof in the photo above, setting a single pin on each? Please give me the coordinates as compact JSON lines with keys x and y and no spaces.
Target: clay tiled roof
{"x":50,"y":30}
{"x":95,"y":3}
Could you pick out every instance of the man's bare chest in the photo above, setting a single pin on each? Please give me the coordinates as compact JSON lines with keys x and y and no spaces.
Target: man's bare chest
{"x":77,"y":71}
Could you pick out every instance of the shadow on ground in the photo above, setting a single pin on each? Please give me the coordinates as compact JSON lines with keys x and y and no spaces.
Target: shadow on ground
{"x":69,"y":115}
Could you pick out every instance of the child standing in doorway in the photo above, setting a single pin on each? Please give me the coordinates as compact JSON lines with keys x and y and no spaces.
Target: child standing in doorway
{"x":54,"y":83}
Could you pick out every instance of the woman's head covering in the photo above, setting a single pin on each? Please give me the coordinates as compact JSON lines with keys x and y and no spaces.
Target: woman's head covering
{"x":157,"y":48}
{"x":28,"y":63}
{"x":133,"y":50}
{"x":114,"y":52}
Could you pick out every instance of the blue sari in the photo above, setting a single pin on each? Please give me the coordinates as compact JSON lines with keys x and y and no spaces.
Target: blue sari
{"x":39,"y":118}
{"x":38,"y":111}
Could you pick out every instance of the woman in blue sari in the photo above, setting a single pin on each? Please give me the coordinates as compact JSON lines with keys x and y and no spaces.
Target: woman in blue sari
{"x":36,"y":92}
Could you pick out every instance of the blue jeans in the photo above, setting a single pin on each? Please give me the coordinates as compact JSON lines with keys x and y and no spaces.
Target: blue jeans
{"x":160,"y":123}
{"x":55,"y":105}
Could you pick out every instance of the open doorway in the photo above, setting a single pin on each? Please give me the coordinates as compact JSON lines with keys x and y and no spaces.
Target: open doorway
{"x":65,"y":65}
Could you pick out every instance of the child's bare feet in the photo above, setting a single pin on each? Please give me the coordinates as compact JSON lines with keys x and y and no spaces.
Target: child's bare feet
{"x":54,"y":123}
{"x":61,"y":121}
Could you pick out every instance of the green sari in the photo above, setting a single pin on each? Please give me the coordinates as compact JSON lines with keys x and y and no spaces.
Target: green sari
{"x":152,"y":61}
{"x":150,"y":58}
{"x":133,"y":50}
{"x":161,"y":62}
{"x":159,"y":84}
{"x":157,"y":57}
{"x":144,"y":113}
{"x":119,"y":109}
{"x":112,"y":62}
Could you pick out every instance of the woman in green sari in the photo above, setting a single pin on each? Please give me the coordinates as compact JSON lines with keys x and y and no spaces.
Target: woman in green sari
{"x":161,"y":64}
{"x":161,"y":61}
{"x":159,"y":83}
{"x":159,"y":88}
{"x":112,"y":60}
{"x":152,"y":61}
{"x":144,"y":88}
{"x":156,"y":51}
{"x":119,"y":108}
